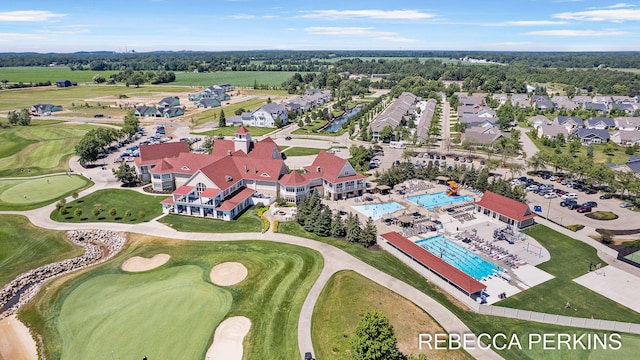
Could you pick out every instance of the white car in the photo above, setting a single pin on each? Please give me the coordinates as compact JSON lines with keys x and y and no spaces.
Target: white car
{"x":550,"y":195}
{"x":532,"y":187}
{"x":515,"y":182}
{"x":626,"y":205}
{"x":569,"y":196}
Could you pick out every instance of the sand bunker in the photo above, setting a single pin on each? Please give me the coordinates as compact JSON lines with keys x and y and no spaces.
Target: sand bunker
{"x":228,"y":273}
{"x":16,"y":342}
{"x":227,"y":340}
{"x":137,"y":263}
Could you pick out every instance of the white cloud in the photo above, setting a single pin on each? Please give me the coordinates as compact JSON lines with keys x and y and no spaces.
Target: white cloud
{"x":533,"y":23}
{"x":396,"y":39}
{"x":28,"y":16}
{"x":614,"y":6}
{"x":242,"y":17}
{"x":614,"y":15}
{"x":371,"y":14}
{"x":19,"y":36}
{"x":346,"y":31}
{"x":576,"y":33}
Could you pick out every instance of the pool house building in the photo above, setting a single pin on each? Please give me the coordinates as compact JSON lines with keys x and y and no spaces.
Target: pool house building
{"x":507,"y":210}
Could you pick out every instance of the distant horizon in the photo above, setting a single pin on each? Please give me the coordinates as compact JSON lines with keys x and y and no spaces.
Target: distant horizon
{"x":42,"y":26}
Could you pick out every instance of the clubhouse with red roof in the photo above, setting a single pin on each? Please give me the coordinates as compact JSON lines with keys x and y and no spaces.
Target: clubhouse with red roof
{"x":507,"y":210}
{"x":240,"y":173}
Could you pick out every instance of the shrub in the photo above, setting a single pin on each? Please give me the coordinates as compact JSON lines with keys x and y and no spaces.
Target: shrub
{"x":602,"y":215}
{"x":75,"y":195}
{"x":265,"y":221}
{"x":113,"y":212}
{"x":128,"y":213}
{"x":275,"y":226}
{"x":575,"y":227}
{"x":606,"y":237}
{"x":142,"y":214}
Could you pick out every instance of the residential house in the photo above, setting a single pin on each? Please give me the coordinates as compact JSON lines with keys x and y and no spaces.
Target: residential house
{"x":169,"y":112}
{"x":400,"y":109}
{"x":335,"y":177}
{"x":169,"y":102}
{"x":227,"y":87}
{"x":145,"y":111}
{"x":538,"y":120}
{"x":470,"y":100}
{"x":599,"y":123}
{"x":208,"y":103}
{"x":244,"y":117}
{"x":45,"y":109}
{"x":598,"y":107}
{"x":592,"y":136}
{"x":473,"y":121}
{"x":482,"y":135}
{"x":634,"y":164}
{"x":65,"y":83}
{"x":569,"y":122}
{"x":626,"y":138}
{"x":427,"y":109}
{"x":520,"y":100}
{"x":627,"y":123}
{"x":600,"y":99}
{"x":502,"y":98}
{"x":628,"y":108}
{"x":266,"y":116}
{"x":552,"y":131}
{"x":581,"y":99}
{"x":563,"y":102}
{"x":510,"y":211}
{"x":477,"y":110}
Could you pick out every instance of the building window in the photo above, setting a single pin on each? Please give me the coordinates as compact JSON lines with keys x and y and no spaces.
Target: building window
{"x":200,"y":187}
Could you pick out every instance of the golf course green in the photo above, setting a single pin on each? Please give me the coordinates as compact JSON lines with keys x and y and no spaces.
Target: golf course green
{"x":23,"y":194}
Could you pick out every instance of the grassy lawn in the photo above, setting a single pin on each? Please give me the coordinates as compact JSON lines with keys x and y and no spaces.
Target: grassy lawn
{"x":24,"y":247}
{"x":389,"y":264}
{"x":43,"y":148}
{"x":310,"y":128}
{"x":25,"y":98}
{"x":172,"y":312}
{"x":619,"y":157}
{"x":120,"y":199}
{"x":36,"y":74}
{"x":33,"y":193}
{"x":213,"y":115}
{"x":349,"y":295}
{"x":569,"y":259}
{"x":235,"y":78}
{"x":231,"y":131}
{"x":246,"y":222}
{"x":301,"y":151}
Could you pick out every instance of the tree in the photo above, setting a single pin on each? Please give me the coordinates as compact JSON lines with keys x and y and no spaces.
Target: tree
{"x":96,"y":210}
{"x":128,"y":213}
{"x":98,"y":79}
{"x":337,"y":226}
{"x":222,"y":122}
{"x":278,"y":123}
{"x":386,"y":133}
{"x":13,"y":117}
{"x":24,"y":118}
{"x":375,"y":339}
{"x":353,"y":228}
{"x":323,"y":223}
{"x":78,"y":212}
{"x":369,"y":234}
{"x":131,"y":123}
{"x":113,"y":212}
{"x":126,"y":174}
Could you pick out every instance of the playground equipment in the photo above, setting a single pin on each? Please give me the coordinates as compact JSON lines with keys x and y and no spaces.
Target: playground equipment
{"x":453,"y":188}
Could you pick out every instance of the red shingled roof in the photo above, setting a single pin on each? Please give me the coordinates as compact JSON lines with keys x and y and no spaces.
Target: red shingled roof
{"x":220,"y":170}
{"x":294,"y":178}
{"x":183,"y":190}
{"x":510,"y":208}
{"x":149,"y":154}
{"x":168,"y":200}
{"x":210,"y":192}
{"x":242,"y":130}
{"x":439,"y":266}
{"x":330,"y":167}
{"x":236,"y":199}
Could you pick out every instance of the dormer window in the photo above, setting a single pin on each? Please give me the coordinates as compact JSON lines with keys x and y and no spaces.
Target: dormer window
{"x":229,"y":178}
{"x":264,"y":175}
{"x":185,"y":168}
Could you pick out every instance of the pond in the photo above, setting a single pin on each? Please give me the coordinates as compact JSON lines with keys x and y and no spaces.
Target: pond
{"x":337,"y":123}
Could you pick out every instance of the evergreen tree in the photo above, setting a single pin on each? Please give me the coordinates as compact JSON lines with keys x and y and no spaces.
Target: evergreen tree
{"x":337,"y":226}
{"x":353,"y":228}
{"x":303,"y":210}
{"x":369,"y":234}
{"x":314,"y":214}
{"x":222,"y":122}
{"x":323,"y":223}
{"x":482,"y":182}
{"x":375,"y":339}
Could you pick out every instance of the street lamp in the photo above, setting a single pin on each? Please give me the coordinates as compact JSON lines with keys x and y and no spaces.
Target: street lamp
{"x":548,"y":208}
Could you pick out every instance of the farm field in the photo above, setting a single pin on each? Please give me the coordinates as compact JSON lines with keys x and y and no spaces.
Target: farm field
{"x":343,"y":301}
{"x":36,"y":74}
{"x":139,"y":207}
{"x":175,"y":309}
{"x":24,"y":246}
{"x":24,"y":194}
{"x":235,"y":78}
{"x":43,"y":148}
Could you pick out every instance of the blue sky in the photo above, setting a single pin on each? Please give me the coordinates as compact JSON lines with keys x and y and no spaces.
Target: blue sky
{"x":218,"y":25}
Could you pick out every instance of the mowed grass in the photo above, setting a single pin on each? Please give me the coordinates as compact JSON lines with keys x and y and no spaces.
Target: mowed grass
{"x":235,"y":78}
{"x":246,"y":222}
{"x":570,"y":259}
{"x":36,"y":192}
{"x":347,"y":297}
{"x":73,"y":311}
{"x":301,"y":151}
{"x":213,"y":115}
{"x":310,"y":128}
{"x":231,"y":131}
{"x":137,"y":315}
{"x":36,"y":74}
{"x":478,"y":324}
{"x":617,"y":156}
{"x":106,"y":199}
{"x":24,"y":246}
{"x":40,"y":149}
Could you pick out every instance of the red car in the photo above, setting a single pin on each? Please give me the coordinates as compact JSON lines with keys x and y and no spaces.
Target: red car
{"x":584,"y":209}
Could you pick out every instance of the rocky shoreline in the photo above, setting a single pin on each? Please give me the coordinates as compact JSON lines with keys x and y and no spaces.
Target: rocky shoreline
{"x":99,"y":246}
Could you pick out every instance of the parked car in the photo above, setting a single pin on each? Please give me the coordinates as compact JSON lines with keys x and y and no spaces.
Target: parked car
{"x":550,"y":195}
{"x":567,"y":202}
{"x":570,"y":196}
{"x":564,"y":182}
{"x":287,"y":137}
{"x":584,"y":209}
{"x":573,"y":206}
{"x":590,"y":191}
{"x":592,"y":204}
{"x":626,"y":204}
{"x":532,"y":187}
{"x":606,"y":196}
{"x":308,"y":356}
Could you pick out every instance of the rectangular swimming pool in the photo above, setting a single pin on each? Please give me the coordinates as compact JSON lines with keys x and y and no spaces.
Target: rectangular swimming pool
{"x":376,"y":211}
{"x":458,"y":256}
{"x":430,"y":201}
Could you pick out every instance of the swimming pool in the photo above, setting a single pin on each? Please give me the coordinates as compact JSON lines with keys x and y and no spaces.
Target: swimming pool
{"x":456,"y":255}
{"x":376,"y":211}
{"x":430,"y":201}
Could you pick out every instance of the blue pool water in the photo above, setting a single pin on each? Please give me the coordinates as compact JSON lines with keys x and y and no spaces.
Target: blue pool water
{"x":376,"y":211}
{"x":430,"y":201}
{"x":456,"y":255}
